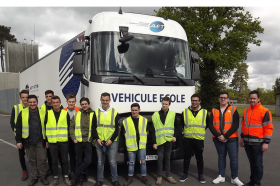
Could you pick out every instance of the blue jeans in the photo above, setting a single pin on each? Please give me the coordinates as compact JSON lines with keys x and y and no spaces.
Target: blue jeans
{"x":141,"y":154}
{"x":231,"y":148}
{"x":255,"y":156}
{"x":111,"y":152}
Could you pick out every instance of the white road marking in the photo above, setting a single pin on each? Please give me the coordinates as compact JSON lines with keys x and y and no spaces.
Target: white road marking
{"x":5,"y":115}
{"x":8,"y":143}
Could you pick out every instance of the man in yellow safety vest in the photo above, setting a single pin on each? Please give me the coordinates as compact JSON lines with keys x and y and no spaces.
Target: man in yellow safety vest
{"x":105,"y":129}
{"x":135,"y":131}
{"x":14,"y":115}
{"x":80,"y":131}
{"x":164,"y":133}
{"x":57,"y":123}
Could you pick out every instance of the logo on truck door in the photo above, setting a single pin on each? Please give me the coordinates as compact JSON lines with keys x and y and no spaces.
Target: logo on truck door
{"x":156,"y":26}
{"x":68,"y":82}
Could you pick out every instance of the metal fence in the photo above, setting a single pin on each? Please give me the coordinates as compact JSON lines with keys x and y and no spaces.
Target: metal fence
{"x":8,"y":98}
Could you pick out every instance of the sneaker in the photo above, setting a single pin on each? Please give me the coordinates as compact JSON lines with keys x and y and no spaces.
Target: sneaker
{"x":99,"y":183}
{"x":250,"y":184}
{"x":32,"y":182}
{"x":55,"y":182}
{"x":236,"y":181}
{"x":201,"y":179}
{"x":159,"y":181}
{"x":116,"y":183}
{"x":146,"y":182}
{"x":128,"y":182}
{"x":67,"y":181}
{"x":44,"y":180}
{"x":171,"y":180}
{"x":24,"y":176}
{"x":183,"y":178}
{"x":73,"y":180}
{"x":219,"y":179}
{"x":79,"y":182}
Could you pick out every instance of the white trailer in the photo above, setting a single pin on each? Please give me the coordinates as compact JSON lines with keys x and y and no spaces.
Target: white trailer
{"x":134,"y":57}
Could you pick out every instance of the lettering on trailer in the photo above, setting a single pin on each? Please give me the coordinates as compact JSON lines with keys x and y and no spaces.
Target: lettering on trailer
{"x":144,"y":98}
{"x":156,"y":26}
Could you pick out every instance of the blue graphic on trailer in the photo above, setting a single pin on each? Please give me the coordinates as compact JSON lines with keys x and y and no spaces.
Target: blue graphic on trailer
{"x":68,"y":82}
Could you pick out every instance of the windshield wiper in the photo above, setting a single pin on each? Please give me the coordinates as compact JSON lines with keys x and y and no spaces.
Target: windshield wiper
{"x":172,"y":75}
{"x":124,"y":72}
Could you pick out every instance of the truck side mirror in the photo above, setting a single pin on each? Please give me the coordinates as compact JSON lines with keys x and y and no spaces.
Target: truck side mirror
{"x":195,"y":72}
{"x":123,"y":48}
{"x":195,"y":56}
{"x":78,"y":67}
{"x":78,"y":46}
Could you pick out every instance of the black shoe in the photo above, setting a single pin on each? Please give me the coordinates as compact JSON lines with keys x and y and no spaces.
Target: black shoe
{"x":99,"y":183}
{"x":44,"y":180}
{"x":146,"y":182}
{"x":128,"y":182}
{"x":116,"y":183}
{"x":73,"y":180}
{"x":250,"y":184}
{"x":32,"y":182}
{"x":24,"y":176}
{"x":79,"y":182}
{"x":49,"y":173}
{"x":84,"y":177}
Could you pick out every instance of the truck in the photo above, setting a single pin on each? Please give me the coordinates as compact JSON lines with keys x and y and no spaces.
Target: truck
{"x":136,"y":58}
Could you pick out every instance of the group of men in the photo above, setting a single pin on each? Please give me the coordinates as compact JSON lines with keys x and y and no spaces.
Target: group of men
{"x":50,"y":133}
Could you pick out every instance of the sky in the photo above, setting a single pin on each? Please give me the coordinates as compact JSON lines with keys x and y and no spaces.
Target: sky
{"x":55,"y":26}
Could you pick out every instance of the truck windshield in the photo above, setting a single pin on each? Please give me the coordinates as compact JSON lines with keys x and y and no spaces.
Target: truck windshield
{"x":158,"y":53}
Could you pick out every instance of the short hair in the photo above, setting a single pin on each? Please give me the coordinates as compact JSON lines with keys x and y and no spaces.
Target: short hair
{"x":104,"y":94}
{"x":135,"y":105}
{"x":70,"y":96}
{"x":224,"y":92}
{"x":56,"y":97}
{"x":24,"y":92}
{"x":32,"y":96}
{"x":255,"y":92}
{"x":166,"y":99}
{"x":84,"y":99}
{"x":49,"y":92}
{"x":196,"y":96}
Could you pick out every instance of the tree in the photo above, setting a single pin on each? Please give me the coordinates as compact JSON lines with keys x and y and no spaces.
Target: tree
{"x":220,"y":35}
{"x":240,"y":78}
{"x":276,"y":87}
{"x":267,"y":96}
{"x":5,"y":35}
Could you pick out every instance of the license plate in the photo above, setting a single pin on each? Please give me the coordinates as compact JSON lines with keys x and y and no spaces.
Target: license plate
{"x":151,"y":157}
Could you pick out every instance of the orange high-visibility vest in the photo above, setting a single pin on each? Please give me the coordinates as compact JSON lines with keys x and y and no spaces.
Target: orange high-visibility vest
{"x":76,"y":109}
{"x":228,"y":116}
{"x":253,"y":125}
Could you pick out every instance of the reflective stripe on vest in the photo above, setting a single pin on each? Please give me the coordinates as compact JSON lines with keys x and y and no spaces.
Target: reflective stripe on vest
{"x":57,"y":131}
{"x":78,"y":131}
{"x":164,"y":132}
{"x":25,"y":123}
{"x":130,"y":134}
{"x":18,"y":108}
{"x":228,"y":119}
{"x":106,"y":124}
{"x":195,"y":126}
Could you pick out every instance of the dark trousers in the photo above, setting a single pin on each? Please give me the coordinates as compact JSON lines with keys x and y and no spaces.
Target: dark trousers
{"x":196,"y":147}
{"x":50,"y":159}
{"x":164,"y":150}
{"x":21,"y":153}
{"x":55,"y":148}
{"x":72,"y":154}
{"x":82,"y":163}
{"x":37,"y":155}
{"x":255,"y":156}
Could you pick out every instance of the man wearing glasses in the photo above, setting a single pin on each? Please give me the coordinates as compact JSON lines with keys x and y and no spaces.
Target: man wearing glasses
{"x":194,"y":122}
{"x":224,"y":123}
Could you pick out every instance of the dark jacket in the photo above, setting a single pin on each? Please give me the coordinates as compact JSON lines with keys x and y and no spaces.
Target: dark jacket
{"x":234,"y":125}
{"x":19,"y":138}
{"x":84,"y":125}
